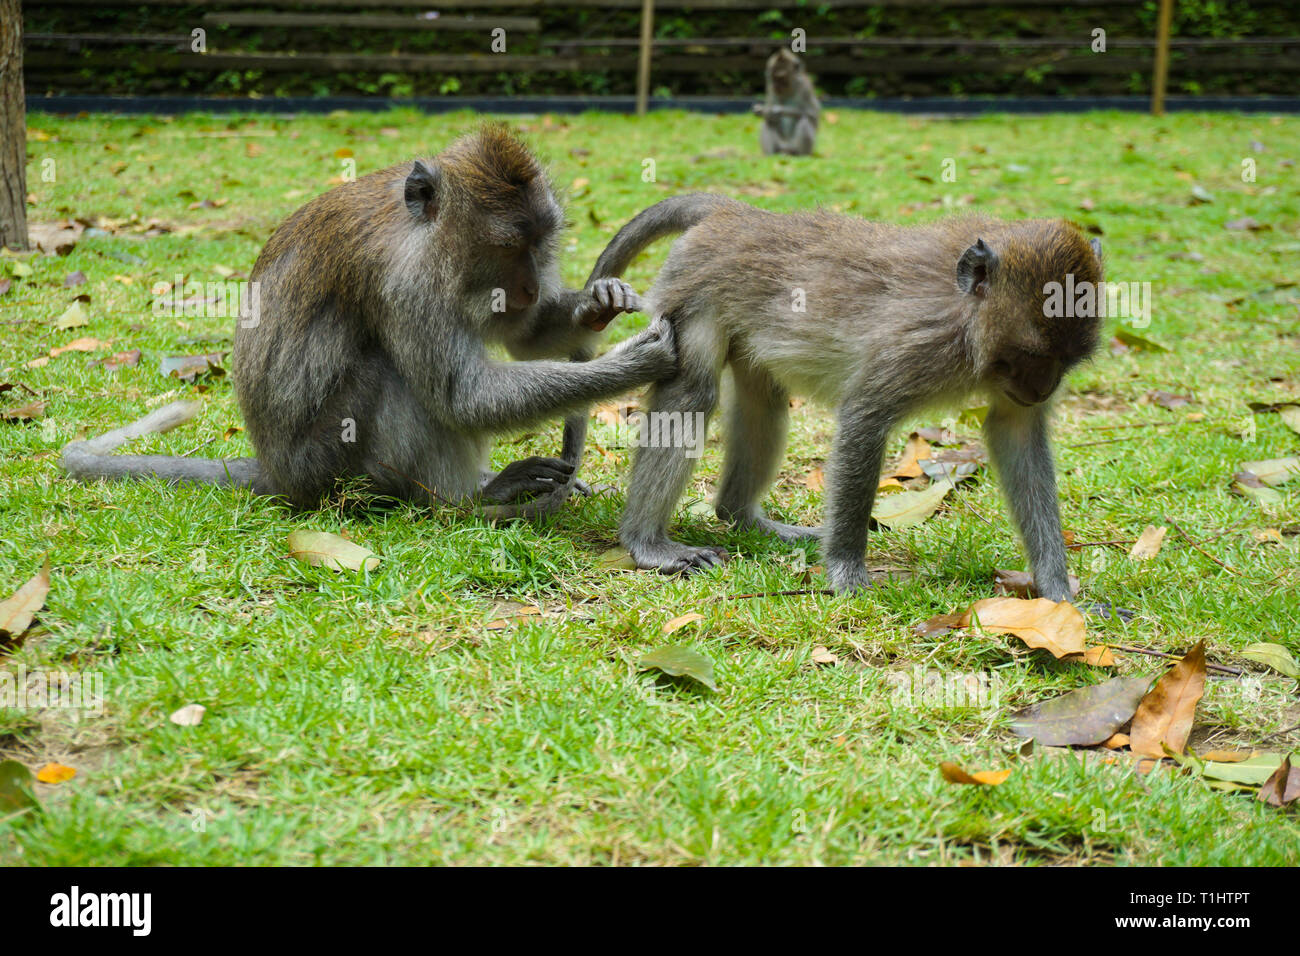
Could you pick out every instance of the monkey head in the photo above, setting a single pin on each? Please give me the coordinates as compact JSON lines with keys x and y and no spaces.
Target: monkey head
{"x":494,"y":213}
{"x":783,"y":71}
{"x":1037,"y":310}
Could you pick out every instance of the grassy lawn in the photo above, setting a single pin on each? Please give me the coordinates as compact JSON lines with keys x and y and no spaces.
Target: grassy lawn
{"x":390,"y":717}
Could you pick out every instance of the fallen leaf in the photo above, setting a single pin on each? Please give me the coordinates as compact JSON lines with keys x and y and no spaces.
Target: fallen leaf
{"x":677,"y":660}
{"x":1169,"y":400}
{"x":1083,"y":717}
{"x":1273,"y":471}
{"x":1253,"y":771}
{"x":1290,"y":415}
{"x":1275,"y":656}
{"x":77,"y":345}
{"x":191,"y":715}
{"x":55,"y":773}
{"x":189,"y":368}
{"x":73,"y":279}
{"x":1248,"y":485}
{"x":1099,"y":656}
{"x":986,"y":778}
{"x":18,"y":611}
{"x":1021,"y":584}
{"x":677,"y":623}
{"x":524,"y":610}
{"x":908,"y":467}
{"x":119,"y":360}
{"x":1040,"y":623}
{"x":1115,"y":742}
{"x":16,"y":788}
{"x":938,"y":625}
{"x":1164,"y":718}
{"x":25,"y":413}
{"x":816,"y":479}
{"x":1134,"y":341}
{"x":1227,"y":756}
{"x":822,"y":655}
{"x":1148,"y":543}
{"x":1283,"y":786}
{"x":616,"y":559}
{"x":1245,"y":224}
{"x":325,"y":550}
{"x":908,"y":508}
{"x":73,"y":317}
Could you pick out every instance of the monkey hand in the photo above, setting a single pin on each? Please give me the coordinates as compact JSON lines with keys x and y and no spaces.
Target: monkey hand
{"x":527,"y":478}
{"x":654,"y":351}
{"x":609,"y":297}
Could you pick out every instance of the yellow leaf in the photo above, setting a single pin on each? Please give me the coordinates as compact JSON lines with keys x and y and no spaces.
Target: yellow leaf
{"x":1148,"y":543}
{"x":17,"y":612}
{"x":191,"y":715}
{"x":987,"y":778}
{"x":677,"y":623}
{"x":55,"y":773}
{"x":1057,"y":628}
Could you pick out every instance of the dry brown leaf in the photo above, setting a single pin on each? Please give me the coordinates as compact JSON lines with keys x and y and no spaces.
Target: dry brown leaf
{"x":17,"y":612}
{"x":1115,"y":741}
{"x":677,"y":623}
{"x":823,"y":655}
{"x":1148,"y":543}
{"x":1040,"y":623}
{"x":1283,"y":786}
{"x":908,"y":466}
{"x":1227,"y":756}
{"x":55,"y":773}
{"x":1164,"y":718}
{"x":816,"y":479}
{"x":1021,"y":584}
{"x":501,"y":623}
{"x":938,"y":625}
{"x":1099,"y":656}
{"x":987,"y":778}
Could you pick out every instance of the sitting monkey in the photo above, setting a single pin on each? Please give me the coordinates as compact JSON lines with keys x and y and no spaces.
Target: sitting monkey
{"x":791,"y":110}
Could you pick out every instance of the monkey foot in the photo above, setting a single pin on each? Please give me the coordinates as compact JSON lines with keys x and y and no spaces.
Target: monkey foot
{"x":848,"y":577}
{"x":671,"y":557}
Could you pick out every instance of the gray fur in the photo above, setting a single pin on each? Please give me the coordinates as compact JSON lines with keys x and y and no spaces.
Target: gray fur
{"x":791,"y":111}
{"x":370,"y":354}
{"x":887,"y":331}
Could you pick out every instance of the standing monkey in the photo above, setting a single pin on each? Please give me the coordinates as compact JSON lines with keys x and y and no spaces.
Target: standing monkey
{"x":791,"y":109}
{"x":369,"y":355}
{"x":876,"y":320}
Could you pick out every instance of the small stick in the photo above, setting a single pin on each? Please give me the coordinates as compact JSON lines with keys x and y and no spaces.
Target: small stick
{"x":1189,"y":540}
{"x":1221,"y":668}
{"x":1118,"y":542}
{"x":759,"y":594}
{"x":198,"y":446}
{"x":1104,"y":441}
{"x":1279,"y":733}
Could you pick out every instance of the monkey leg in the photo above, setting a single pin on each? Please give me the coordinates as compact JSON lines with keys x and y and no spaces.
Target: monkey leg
{"x":769,"y":139}
{"x":662,"y":469}
{"x":1022,"y":455}
{"x":856,"y":459}
{"x":805,"y":134}
{"x":757,"y":420}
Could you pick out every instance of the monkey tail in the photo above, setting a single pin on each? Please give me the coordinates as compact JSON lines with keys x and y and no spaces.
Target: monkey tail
{"x":92,"y":458}
{"x":667,"y":218}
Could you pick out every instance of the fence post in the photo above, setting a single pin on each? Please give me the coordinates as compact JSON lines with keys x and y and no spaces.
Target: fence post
{"x":643,"y":65}
{"x":1161,"y":78}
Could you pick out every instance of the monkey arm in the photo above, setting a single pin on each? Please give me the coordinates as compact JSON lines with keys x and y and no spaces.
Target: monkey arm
{"x":460,"y":386}
{"x":1018,"y":443}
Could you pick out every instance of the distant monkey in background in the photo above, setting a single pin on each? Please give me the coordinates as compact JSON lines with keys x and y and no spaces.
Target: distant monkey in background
{"x":369,"y":356}
{"x":791,"y":109}
{"x":878,"y":321}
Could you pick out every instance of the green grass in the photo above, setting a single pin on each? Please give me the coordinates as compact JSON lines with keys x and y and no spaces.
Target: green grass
{"x":375,"y":718}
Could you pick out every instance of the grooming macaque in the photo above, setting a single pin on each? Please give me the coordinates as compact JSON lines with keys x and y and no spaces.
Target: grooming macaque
{"x":791,"y":109}
{"x":369,"y":355}
{"x":876,"y":320}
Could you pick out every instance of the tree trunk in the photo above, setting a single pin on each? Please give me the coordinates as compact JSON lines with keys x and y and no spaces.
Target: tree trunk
{"x":13,"y":129}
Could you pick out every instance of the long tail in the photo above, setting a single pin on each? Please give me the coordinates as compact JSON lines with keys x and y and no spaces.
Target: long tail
{"x":666,"y":218}
{"x":93,"y":458}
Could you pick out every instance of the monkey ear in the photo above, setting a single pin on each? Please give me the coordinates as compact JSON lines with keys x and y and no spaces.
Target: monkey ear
{"x":422,"y":191}
{"x":975,"y":267}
